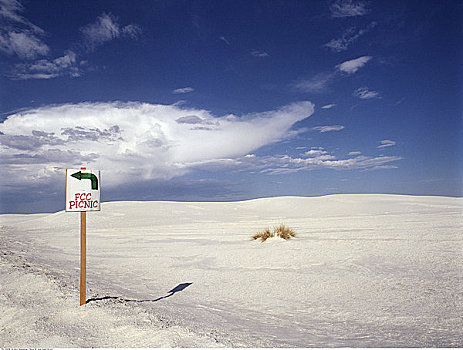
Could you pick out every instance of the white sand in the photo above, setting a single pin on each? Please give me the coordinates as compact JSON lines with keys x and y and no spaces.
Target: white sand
{"x":364,"y":270}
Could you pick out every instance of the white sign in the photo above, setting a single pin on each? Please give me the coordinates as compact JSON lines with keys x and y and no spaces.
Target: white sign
{"x":82,"y":189}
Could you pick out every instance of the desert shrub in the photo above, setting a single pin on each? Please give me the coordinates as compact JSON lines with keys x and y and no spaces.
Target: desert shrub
{"x":280,"y":231}
{"x":284,"y":232}
{"x":263,"y":235}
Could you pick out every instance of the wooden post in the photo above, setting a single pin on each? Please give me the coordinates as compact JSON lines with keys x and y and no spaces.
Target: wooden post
{"x":83,"y":257}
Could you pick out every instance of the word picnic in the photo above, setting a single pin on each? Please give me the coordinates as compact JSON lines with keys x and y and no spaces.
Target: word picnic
{"x":83,"y":201}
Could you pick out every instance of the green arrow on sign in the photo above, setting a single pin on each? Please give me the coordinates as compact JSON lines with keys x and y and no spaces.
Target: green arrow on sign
{"x":87,"y":176}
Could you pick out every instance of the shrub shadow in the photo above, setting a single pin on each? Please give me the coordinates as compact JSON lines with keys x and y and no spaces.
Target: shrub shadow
{"x":171,"y":292}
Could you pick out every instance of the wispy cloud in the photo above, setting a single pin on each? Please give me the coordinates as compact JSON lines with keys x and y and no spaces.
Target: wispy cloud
{"x":354,"y":153}
{"x":132,"y":31}
{"x":133,"y":140}
{"x":321,"y":82}
{"x":258,"y":53}
{"x":349,"y":36}
{"x":365,"y":93}
{"x":318,"y":84}
{"x":288,"y":164}
{"x":354,"y":65}
{"x":328,"y":128}
{"x":46,"y":69}
{"x":348,"y":8}
{"x":184,"y":90}
{"x":10,"y":10}
{"x":328,"y":106}
{"x":18,"y":36}
{"x":107,"y":28}
{"x":225,"y":40}
{"x":23,"y":44}
{"x":196,"y":120}
{"x":319,"y":153}
{"x":316,"y":158}
{"x":386,"y":143}
{"x":382,"y":167}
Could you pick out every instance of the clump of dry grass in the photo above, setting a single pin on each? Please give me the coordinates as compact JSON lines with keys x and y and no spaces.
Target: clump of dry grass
{"x":280,"y":231}
{"x":263,"y":235}
{"x":284,"y":232}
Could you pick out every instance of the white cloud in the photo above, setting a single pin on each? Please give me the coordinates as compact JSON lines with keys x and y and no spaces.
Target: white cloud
{"x":257,"y":53}
{"x":354,"y":65}
{"x":23,"y":44}
{"x":193,"y":119}
{"x":10,"y":10}
{"x":382,"y":167}
{"x":104,"y":29}
{"x":329,"y":106}
{"x":319,"y":153}
{"x":318,"y":84}
{"x":130,"y":141}
{"x":224,"y":40}
{"x":18,"y":36}
{"x":348,"y":8}
{"x":107,"y":28}
{"x":315,"y":158}
{"x":183,"y":90}
{"x":365,"y":93}
{"x":354,"y":153}
{"x":315,"y":151}
{"x":337,"y":45}
{"x":386,"y":143}
{"x":287,"y":164}
{"x":328,"y":128}
{"x":46,"y":69}
{"x":349,"y":36}
{"x":132,"y":31}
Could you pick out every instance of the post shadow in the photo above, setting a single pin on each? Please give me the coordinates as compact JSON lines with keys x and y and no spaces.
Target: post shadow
{"x":171,"y":292}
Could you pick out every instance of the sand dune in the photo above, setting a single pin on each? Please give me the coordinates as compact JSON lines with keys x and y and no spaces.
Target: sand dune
{"x":364,"y":270}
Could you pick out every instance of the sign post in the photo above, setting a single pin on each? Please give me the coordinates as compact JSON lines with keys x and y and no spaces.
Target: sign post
{"x":83,"y":257}
{"x":82,"y":196}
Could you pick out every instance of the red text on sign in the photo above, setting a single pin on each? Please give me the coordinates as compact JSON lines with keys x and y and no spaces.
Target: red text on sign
{"x":83,"y":201}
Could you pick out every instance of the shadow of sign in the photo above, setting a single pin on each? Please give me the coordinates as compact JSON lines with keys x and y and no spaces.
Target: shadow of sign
{"x":171,"y":292}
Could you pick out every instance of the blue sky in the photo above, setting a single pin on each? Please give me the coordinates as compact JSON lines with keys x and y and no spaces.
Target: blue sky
{"x":229,"y":100}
